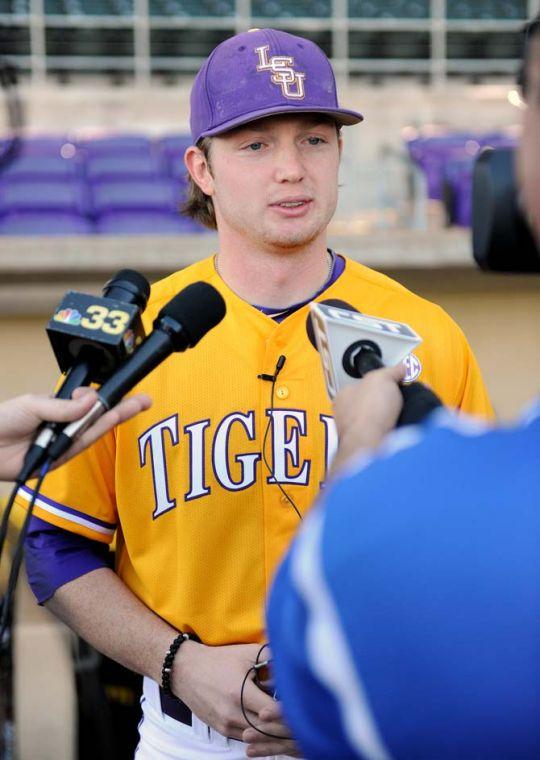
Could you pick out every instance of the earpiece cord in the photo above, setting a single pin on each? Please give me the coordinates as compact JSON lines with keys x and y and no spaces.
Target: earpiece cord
{"x":265,"y":438}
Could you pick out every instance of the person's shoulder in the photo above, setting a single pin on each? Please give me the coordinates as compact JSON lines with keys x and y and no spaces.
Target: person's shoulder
{"x":361,"y":273}
{"x":360,"y":276}
{"x":163,"y":290}
{"x":448,"y":437}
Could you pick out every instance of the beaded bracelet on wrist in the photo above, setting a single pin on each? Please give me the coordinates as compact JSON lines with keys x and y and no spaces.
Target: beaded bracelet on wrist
{"x":166,"y":669}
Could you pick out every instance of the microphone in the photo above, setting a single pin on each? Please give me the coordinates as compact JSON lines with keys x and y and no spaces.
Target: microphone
{"x":418,"y":400}
{"x":180,"y":324}
{"x":338,"y":304}
{"x":351,"y":344}
{"x":90,"y":337}
{"x":279,"y":366}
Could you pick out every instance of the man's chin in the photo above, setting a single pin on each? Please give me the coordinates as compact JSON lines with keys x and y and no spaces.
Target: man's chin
{"x":290,"y":241}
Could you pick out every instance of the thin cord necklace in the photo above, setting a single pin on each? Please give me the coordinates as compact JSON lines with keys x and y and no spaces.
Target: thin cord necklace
{"x":329,"y":265}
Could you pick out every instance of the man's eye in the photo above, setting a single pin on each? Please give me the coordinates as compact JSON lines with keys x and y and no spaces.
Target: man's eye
{"x":254,"y":146}
{"x":315,"y":140}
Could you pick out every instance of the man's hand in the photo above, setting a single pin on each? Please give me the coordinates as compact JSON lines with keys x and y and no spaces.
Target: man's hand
{"x":209,"y":680}
{"x":271,"y":722}
{"x":366,"y":411}
{"x":20,"y":418}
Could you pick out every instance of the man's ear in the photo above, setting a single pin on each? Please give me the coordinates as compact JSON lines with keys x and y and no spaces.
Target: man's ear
{"x":197,"y":165}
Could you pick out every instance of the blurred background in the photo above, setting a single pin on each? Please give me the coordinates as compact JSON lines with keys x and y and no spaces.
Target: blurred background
{"x":100,"y":113}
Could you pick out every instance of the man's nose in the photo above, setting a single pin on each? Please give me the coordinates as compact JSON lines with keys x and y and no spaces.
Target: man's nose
{"x":289,"y":165}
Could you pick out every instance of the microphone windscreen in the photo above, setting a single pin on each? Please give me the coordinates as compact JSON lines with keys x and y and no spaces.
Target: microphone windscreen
{"x":129,"y":286}
{"x":339,"y":304}
{"x":198,"y":308}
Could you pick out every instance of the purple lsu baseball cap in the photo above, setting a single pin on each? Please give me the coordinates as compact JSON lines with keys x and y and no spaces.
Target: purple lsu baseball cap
{"x":260,"y":73}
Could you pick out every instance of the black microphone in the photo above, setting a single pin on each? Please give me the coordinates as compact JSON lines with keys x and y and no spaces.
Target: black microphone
{"x":91,"y":335}
{"x":180,"y":324}
{"x":363,"y":356}
{"x":128,"y":286}
{"x":86,"y":354}
{"x":279,"y":366}
{"x":418,"y":400}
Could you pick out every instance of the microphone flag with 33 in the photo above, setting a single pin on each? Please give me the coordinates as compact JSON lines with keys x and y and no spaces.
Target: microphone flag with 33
{"x":180,"y":325}
{"x":99,"y":332}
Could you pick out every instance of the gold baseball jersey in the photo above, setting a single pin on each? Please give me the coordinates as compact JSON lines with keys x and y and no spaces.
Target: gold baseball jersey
{"x":190,"y":487}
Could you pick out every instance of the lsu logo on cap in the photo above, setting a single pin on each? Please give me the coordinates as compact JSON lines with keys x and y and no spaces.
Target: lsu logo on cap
{"x":413,"y":366}
{"x":290,"y":81}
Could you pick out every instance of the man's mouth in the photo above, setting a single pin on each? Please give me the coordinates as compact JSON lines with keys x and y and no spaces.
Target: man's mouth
{"x":291,"y":203}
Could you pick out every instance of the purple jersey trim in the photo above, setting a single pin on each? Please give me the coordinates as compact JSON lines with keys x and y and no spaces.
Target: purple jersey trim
{"x":68,"y":513}
{"x":278,"y":315}
{"x":54,"y":557}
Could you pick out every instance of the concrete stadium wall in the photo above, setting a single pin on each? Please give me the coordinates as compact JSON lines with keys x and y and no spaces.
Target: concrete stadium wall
{"x":500,"y":315}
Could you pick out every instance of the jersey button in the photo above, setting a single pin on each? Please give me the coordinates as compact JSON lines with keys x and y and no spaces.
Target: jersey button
{"x":283,"y":499}
{"x":282,"y":392}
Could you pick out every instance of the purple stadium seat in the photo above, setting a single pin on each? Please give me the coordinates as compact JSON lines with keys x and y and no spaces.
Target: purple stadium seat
{"x":117,"y":145}
{"x":146,"y":223}
{"x":23,"y":223}
{"x":458,"y":178}
{"x":71,"y":197}
{"x":447,"y":161}
{"x":175,"y":143}
{"x":432,"y":153}
{"x":160,"y":195}
{"x":174,"y":147}
{"x":125,"y":168}
{"x":497,"y":140}
{"x":48,"y":145}
{"x":31,"y":168}
{"x":178,"y":171}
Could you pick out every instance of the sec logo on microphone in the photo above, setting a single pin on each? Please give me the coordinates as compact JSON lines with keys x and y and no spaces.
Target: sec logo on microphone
{"x":414,"y":367}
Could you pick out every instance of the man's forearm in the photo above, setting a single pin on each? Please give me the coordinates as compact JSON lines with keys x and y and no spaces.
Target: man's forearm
{"x":103,"y":611}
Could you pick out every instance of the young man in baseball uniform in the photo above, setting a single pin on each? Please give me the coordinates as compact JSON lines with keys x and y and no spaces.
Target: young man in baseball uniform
{"x":206,"y":490}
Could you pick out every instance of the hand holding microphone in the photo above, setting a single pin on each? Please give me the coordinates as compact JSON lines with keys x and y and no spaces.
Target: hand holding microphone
{"x":20,"y":418}
{"x":366,"y":411}
{"x":352,"y":344}
{"x":362,"y":359}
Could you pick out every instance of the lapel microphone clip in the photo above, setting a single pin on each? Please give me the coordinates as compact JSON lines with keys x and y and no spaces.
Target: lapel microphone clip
{"x":279,"y":366}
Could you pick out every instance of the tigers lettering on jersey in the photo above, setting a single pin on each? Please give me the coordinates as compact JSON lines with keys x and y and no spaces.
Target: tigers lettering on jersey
{"x":230,"y":470}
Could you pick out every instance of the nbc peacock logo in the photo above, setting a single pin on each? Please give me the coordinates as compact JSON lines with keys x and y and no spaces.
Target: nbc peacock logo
{"x":68,"y":316}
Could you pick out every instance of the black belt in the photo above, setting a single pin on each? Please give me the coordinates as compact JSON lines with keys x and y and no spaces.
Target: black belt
{"x":175,"y":708}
